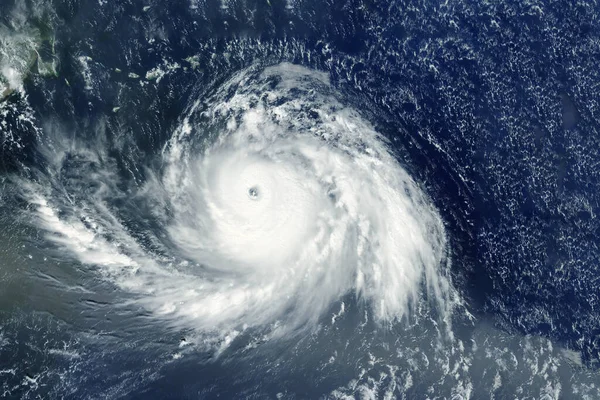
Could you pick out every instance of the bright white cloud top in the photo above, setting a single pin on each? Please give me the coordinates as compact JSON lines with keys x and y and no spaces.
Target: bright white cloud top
{"x":276,"y":200}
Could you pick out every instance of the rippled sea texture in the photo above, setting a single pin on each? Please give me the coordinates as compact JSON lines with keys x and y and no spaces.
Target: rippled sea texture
{"x":296,"y":199}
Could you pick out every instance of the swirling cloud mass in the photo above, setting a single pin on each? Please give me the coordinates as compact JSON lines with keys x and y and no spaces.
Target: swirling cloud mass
{"x":276,"y":201}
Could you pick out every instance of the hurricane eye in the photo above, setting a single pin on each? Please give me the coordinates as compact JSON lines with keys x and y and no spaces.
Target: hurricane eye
{"x":253,"y":193}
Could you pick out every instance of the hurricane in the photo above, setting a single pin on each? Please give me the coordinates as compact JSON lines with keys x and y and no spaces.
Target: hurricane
{"x":298,"y":199}
{"x":271,"y":203}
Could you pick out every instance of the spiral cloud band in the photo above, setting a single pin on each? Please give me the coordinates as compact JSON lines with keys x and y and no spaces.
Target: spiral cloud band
{"x":276,"y":200}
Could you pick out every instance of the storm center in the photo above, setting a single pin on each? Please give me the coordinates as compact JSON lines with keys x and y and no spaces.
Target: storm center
{"x":253,"y":193}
